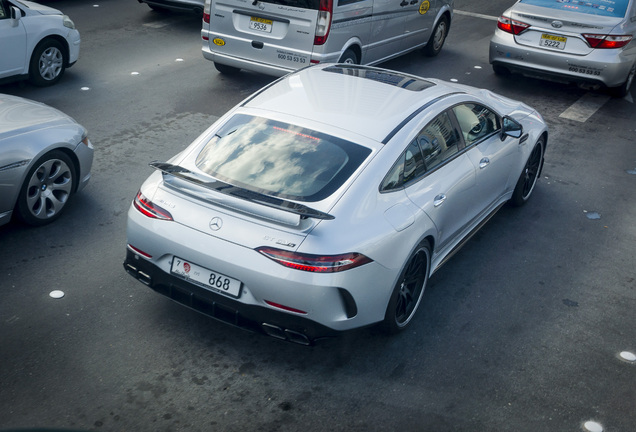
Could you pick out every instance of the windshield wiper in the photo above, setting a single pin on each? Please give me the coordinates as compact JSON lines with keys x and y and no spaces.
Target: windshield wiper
{"x":238,"y":192}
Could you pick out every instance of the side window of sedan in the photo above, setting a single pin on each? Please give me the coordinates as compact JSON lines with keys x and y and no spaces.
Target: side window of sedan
{"x":475,"y":121}
{"x":3,"y":14}
{"x":439,"y":141}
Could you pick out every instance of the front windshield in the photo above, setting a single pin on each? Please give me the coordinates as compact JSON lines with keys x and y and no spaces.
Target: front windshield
{"x":279,"y":159}
{"x":610,"y":8}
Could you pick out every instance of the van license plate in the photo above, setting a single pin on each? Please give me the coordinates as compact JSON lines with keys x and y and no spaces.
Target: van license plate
{"x":205,"y":277}
{"x":261,"y":24}
{"x":552,"y":41}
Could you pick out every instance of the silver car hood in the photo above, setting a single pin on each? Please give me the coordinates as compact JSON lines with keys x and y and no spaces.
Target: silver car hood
{"x":18,"y":115}
{"x":36,"y":7}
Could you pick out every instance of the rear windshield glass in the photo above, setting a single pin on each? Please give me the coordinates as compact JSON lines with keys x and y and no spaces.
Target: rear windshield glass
{"x":301,"y":4}
{"x":610,"y":8}
{"x":279,"y":159}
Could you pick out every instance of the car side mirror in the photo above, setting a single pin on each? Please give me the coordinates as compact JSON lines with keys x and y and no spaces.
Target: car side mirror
{"x":511,"y":128}
{"x":16,"y":13}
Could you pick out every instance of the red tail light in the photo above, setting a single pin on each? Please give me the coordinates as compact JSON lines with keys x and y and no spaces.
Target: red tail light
{"x":206,"y":18}
{"x":323,"y":22}
{"x":287,"y":308}
{"x":511,"y":26}
{"x":315,"y":263}
{"x":147,"y":208}
{"x":607,"y":41}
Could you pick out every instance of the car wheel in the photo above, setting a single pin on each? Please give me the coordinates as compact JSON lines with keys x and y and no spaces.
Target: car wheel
{"x":225,"y":69}
{"x":529,"y":175}
{"x":623,"y":90}
{"x":47,"y":63}
{"x":438,"y":37}
{"x":409,"y":290}
{"x":46,"y":189}
{"x":349,"y":57}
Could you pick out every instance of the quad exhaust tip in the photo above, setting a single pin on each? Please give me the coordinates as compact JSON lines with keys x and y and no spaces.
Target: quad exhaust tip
{"x":285,"y":334}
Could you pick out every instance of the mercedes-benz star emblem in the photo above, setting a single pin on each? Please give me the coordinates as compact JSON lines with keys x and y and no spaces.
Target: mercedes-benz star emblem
{"x":216,"y":224}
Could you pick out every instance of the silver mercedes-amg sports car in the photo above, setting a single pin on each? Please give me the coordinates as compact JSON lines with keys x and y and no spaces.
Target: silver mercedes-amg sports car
{"x":324,"y":201}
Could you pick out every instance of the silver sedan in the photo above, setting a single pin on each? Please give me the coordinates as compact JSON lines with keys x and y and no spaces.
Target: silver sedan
{"x":324,"y":202}
{"x":569,"y":40}
{"x":45,"y":157}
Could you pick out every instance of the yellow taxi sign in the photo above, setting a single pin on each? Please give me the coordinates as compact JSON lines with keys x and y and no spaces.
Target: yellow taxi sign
{"x":424,"y":7}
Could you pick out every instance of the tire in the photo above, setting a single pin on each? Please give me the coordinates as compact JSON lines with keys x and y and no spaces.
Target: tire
{"x":226,"y":70}
{"x":528,"y":178}
{"x":349,"y":57}
{"x":47,"y":63}
{"x":623,"y":90}
{"x":437,"y":39}
{"x":47,"y":189}
{"x":409,"y":289}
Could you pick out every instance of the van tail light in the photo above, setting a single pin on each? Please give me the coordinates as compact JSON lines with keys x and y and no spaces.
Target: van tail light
{"x":315,"y":263}
{"x":148,"y":208}
{"x":511,"y":26}
{"x":206,"y":12}
{"x":607,"y":41}
{"x":323,"y":22}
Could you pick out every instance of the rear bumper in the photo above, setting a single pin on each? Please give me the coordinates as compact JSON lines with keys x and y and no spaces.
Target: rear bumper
{"x":250,"y":317}
{"x":241,"y":63}
{"x":607,"y":68}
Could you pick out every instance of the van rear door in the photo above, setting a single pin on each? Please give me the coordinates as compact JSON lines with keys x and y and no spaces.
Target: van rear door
{"x":272,"y":32}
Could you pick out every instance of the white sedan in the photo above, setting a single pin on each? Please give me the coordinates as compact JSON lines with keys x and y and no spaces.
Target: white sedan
{"x":37,"y":42}
{"x":326,"y":200}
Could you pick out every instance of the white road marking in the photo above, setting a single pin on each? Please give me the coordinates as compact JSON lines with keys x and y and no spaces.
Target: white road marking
{"x":584,"y":108}
{"x":476,"y":15}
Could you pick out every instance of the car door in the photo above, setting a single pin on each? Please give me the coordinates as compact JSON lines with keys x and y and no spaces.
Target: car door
{"x":446,"y":180}
{"x":387,"y":29}
{"x":419,"y":21}
{"x":12,"y":43}
{"x":493,"y":158}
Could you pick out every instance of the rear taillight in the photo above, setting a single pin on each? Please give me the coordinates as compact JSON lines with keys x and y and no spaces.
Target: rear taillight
{"x":315,"y":263}
{"x":607,"y":41}
{"x":511,"y":26}
{"x":147,"y":208}
{"x":323,"y":22}
{"x":206,"y":12}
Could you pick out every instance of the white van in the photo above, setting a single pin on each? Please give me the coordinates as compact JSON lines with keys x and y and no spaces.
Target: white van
{"x":275,"y":37}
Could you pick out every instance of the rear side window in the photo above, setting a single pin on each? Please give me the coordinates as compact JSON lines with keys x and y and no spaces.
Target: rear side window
{"x":610,"y":8}
{"x":280,"y":159}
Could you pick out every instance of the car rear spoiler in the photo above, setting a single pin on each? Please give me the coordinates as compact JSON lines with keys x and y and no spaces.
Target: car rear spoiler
{"x":237,"y":192}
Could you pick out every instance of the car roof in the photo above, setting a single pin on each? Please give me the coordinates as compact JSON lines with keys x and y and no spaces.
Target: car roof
{"x":368,"y":101}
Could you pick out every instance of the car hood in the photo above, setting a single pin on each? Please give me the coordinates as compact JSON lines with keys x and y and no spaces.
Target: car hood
{"x":44,"y":10}
{"x":18,"y":115}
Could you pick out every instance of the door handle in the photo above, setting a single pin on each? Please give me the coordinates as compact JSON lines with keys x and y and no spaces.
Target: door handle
{"x":404,"y":3}
{"x":439,"y":200}
{"x":484,"y":162}
{"x":414,"y":2}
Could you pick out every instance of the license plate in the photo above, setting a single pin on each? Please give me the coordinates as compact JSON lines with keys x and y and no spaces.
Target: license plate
{"x":552,"y":41}
{"x":205,"y":277}
{"x":261,"y":24}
